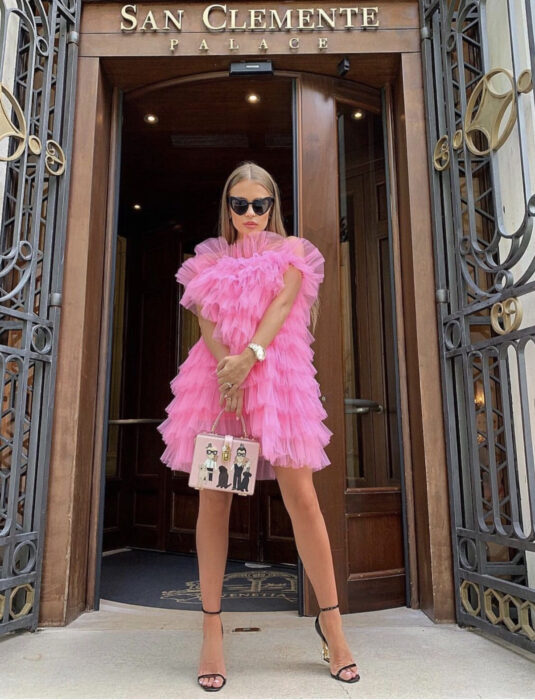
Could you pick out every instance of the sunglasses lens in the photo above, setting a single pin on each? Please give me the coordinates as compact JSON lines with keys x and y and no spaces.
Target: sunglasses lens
{"x":239,"y":205}
{"x":260,"y":206}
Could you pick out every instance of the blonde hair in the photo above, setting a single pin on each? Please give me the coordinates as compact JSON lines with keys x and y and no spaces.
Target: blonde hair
{"x":251,"y":171}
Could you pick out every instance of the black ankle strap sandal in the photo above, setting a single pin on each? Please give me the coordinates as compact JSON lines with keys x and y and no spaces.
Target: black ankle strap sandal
{"x":325,"y":649}
{"x":212,"y":688}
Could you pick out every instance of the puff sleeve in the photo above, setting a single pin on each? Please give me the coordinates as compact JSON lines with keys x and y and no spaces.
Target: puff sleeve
{"x":193,"y":274}
{"x":304,"y":255}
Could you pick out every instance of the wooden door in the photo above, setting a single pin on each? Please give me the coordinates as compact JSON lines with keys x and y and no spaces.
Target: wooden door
{"x":147,"y":505}
{"x":144,"y":351}
{"x":344,"y":212}
{"x":376,"y":573}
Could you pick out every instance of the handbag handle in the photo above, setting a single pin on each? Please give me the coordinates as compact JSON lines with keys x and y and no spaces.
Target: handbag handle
{"x":242,"y":422}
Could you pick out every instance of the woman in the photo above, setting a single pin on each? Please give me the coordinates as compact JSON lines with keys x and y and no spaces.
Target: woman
{"x":255,"y":291}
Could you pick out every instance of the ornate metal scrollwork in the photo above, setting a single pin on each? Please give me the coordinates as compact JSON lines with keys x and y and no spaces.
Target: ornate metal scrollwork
{"x":486,"y":110}
{"x":55,"y":158}
{"x":441,"y":154}
{"x":37,"y":74}
{"x":34,"y":144}
{"x":8,"y":130}
{"x":524,"y":83}
{"x":509,"y":313}
{"x":478,"y":95}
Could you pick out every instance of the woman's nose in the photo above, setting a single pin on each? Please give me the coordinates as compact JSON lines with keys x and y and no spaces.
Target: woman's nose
{"x":250,"y":210}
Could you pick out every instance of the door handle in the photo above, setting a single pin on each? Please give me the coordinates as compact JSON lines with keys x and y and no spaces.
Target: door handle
{"x":134,"y":421}
{"x":362,"y":406}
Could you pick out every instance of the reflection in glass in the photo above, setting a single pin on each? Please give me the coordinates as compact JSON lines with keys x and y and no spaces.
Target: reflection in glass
{"x":372,"y":449}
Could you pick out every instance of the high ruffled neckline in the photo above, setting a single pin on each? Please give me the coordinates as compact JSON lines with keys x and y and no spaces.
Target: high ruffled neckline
{"x":253,"y":242}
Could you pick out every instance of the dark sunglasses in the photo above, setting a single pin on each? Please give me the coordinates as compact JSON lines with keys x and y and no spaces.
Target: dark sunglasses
{"x":211,"y":452}
{"x":240,"y":205}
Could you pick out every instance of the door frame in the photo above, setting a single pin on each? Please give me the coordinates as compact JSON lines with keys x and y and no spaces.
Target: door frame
{"x":70,"y":589}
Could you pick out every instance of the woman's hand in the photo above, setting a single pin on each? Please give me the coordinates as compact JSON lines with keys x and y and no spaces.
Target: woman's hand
{"x":234,"y":401}
{"x":233,"y":369}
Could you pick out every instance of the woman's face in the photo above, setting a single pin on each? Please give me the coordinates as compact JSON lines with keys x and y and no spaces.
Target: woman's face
{"x":249,"y":222}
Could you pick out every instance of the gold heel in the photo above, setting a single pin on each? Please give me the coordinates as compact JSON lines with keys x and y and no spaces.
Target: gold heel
{"x":324,"y":646}
{"x":325,"y":650}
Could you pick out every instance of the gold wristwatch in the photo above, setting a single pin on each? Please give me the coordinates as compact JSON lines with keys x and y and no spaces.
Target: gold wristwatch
{"x":258,"y":350}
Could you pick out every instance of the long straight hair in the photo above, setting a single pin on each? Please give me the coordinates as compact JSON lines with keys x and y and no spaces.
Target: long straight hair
{"x":251,"y":171}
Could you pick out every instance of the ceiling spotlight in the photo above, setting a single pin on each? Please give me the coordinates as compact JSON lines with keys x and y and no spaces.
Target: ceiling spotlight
{"x":136,"y":207}
{"x":357,"y":114}
{"x":253,"y":98}
{"x":151,"y":118}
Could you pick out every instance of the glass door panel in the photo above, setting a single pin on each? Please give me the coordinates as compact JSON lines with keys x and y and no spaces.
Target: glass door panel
{"x":372,"y":450}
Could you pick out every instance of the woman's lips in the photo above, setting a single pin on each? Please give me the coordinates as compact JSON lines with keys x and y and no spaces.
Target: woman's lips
{"x":250,"y":224}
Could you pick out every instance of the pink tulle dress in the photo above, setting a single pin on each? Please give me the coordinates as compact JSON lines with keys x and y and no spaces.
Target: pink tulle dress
{"x":233,"y":284}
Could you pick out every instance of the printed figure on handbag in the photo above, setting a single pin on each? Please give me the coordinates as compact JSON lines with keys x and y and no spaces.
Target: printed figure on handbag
{"x":225,"y":457}
{"x":206,"y":470}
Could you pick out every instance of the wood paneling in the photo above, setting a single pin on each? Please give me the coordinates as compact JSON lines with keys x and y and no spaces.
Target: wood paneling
{"x":373,"y":69}
{"x":398,"y":31}
{"x":114,"y":45}
{"x":105,"y":17}
{"x":65,"y":567}
{"x":376,"y":592}
{"x":423,"y":368}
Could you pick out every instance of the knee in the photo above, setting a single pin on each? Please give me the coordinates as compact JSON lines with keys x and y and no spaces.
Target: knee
{"x":303,"y":504}
{"x":214,"y":503}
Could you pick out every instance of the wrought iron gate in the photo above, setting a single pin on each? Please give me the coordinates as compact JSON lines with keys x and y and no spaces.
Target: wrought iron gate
{"x":478,"y":67}
{"x":38,"y":53}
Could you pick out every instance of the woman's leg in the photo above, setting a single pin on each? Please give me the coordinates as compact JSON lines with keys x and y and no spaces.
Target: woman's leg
{"x":312,"y":540}
{"x":211,"y":536}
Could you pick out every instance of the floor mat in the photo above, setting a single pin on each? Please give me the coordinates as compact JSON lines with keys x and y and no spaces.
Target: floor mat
{"x":165,"y":580}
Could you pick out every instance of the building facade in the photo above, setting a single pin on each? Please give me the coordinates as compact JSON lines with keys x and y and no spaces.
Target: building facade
{"x":402,"y":137}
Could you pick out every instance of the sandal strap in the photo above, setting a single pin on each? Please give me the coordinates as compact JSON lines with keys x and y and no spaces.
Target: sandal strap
{"x":211,"y":612}
{"x":211,"y":675}
{"x":332,"y":607}
{"x":343,"y":669}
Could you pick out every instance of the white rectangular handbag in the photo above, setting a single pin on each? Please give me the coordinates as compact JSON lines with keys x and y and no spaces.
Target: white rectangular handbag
{"x":224,"y":462}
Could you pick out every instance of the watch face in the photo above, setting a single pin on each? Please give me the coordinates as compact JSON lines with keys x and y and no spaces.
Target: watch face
{"x":261,"y":354}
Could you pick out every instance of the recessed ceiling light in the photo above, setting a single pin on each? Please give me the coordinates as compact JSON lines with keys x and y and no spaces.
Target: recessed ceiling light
{"x":357,"y":114}
{"x":151,"y":118}
{"x":253,"y":98}
{"x":136,"y":207}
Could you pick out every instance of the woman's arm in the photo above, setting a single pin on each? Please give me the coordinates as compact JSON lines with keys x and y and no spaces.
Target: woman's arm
{"x":218,"y":350}
{"x":277,"y":311}
{"x":235,"y":368}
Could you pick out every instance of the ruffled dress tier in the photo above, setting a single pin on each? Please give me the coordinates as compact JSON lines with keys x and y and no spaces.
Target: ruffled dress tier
{"x":232,"y":285}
